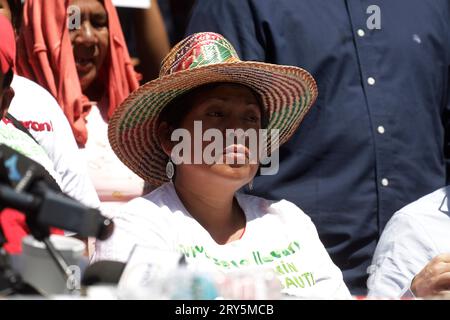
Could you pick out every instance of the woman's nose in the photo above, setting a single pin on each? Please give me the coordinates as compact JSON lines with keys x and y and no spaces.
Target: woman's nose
{"x":234,"y":127}
{"x":87,"y":34}
{"x":228,"y":124}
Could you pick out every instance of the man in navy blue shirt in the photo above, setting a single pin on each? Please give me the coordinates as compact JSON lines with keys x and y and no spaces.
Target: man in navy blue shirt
{"x":376,"y":139}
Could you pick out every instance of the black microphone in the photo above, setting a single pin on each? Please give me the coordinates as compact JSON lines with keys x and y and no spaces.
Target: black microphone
{"x":26,"y":186}
{"x":10,"y":198}
{"x":60,"y":211}
{"x":19,"y":171}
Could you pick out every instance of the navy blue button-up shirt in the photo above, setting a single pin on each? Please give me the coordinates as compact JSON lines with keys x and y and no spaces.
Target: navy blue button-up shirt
{"x":376,"y":138}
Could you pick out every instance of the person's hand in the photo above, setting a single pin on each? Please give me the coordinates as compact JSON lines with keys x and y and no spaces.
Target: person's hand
{"x":434,"y":279}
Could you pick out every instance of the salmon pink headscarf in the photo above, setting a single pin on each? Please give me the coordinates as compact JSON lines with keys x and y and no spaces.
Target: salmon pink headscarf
{"x":7,"y":45}
{"x":45,"y":56}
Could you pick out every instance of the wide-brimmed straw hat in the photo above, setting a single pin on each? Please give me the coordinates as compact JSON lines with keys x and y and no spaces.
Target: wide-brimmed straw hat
{"x":286,"y":92}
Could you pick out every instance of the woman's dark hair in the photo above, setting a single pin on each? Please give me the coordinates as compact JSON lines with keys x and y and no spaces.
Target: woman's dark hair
{"x":174,"y":113}
{"x":7,"y":79}
{"x":16,"y":12}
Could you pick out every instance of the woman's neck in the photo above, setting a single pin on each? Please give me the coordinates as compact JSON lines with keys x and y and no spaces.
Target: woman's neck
{"x":94,"y":92}
{"x":216,"y":209}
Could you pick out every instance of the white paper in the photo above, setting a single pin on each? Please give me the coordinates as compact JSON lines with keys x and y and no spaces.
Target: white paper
{"x":145,"y":4}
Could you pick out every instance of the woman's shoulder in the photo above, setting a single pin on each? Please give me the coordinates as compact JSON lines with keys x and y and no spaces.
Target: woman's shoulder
{"x":32,"y":98}
{"x":283,"y":208}
{"x":158,"y":201}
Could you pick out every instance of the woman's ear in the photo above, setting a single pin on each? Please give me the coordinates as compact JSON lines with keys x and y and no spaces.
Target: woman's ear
{"x":164,"y":134}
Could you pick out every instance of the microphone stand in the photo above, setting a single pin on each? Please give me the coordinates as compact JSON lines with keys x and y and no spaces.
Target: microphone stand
{"x":60,"y":262}
{"x":43,"y":235}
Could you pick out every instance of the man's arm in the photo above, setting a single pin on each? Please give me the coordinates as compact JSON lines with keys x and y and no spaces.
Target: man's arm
{"x":34,"y":104}
{"x":403,"y":250}
{"x":434,"y":279}
{"x":153,"y":42}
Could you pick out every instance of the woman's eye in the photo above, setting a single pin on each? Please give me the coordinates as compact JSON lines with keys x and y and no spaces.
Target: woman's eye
{"x":99,"y":23}
{"x":215,"y":114}
{"x":252,"y":119}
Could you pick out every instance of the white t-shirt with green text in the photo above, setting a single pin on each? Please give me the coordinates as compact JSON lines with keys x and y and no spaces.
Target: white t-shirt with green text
{"x":278,"y":235}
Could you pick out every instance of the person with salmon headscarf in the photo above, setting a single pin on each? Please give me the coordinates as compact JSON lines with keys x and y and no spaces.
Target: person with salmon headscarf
{"x":76,"y":50}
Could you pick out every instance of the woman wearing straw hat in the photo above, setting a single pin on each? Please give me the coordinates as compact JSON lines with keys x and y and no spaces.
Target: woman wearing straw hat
{"x":196,"y":210}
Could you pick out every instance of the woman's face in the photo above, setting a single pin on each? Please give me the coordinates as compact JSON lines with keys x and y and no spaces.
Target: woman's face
{"x":90,"y":42}
{"x":5,"y":10}
{"x":224,"y":107}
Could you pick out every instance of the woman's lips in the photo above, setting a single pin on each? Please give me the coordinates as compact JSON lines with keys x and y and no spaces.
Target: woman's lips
{"x":236,"y":154}
{"x":237,"y":149}
{"x":84,"y":65}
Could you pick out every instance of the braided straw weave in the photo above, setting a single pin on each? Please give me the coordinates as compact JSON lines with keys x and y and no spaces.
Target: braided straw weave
{"x":286,"y":92}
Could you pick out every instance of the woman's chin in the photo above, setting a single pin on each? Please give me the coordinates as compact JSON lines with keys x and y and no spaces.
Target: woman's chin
{"x":86,"y":80}
{"x":234,"y":172}
{"x":222,"y":176}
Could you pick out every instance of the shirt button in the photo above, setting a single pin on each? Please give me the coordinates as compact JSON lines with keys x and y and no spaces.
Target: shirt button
{"x":385,"y":182}
{"x":381,"y":130}
{"x":361,"y":32}
{"x":371,"y":81}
